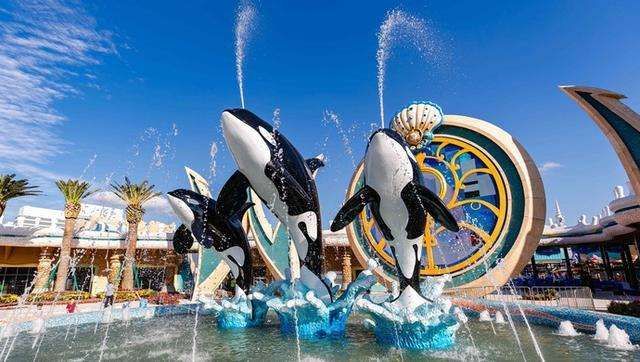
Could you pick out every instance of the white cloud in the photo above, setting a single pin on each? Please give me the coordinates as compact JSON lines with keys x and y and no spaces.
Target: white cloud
{"x":106,"y":198}
{"x":43,"y":43}
{"x":548,"y":166}
{"x":158,"y":204}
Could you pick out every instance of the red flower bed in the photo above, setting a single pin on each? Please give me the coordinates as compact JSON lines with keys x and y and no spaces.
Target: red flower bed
{"x":165,"y":299}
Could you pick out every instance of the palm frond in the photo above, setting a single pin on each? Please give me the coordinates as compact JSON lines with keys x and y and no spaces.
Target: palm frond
{"x":11,"y":188}
{"x":134,"y":194}
{"x":74,"y":190}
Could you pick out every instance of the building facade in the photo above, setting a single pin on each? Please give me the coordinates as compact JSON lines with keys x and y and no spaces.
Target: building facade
{"x":600,"y":252}
{"x":30,"y":246}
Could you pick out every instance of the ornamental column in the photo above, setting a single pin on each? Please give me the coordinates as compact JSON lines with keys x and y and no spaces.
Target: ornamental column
{"x":346,"y":268}
{"x":171,"y":269}
{"x":115,"y":266}
{"x":567,"y":261}
{"x":44,"y":270}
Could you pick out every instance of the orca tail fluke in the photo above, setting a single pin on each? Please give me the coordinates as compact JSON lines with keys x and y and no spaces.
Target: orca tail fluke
{"x":434,"y":206}
{"x":182,"y":240}
{"x":315,"y":163}
{"x":353,"y":207}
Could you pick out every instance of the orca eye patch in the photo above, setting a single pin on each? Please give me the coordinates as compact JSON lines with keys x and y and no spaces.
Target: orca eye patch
{"x":267,"y":135}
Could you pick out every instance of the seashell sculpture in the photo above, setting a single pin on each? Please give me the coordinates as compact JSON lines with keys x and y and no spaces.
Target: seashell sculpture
{"x":417,"y":122}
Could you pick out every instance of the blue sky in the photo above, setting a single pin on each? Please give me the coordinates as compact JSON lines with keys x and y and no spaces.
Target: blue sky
{"x":95,"y":89}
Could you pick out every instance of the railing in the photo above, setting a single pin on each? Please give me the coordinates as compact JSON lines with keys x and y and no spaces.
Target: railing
{"x":572,"y":297}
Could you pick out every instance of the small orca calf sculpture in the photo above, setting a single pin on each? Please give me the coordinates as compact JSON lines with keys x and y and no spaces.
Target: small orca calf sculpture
{"x":400,"y":204}
{"x":214,"y":224}
{"x":284,"y":181}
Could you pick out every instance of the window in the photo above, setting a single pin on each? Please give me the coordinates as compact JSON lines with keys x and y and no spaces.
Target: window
{"x":15,"y":280}
{"x":151,"y":278}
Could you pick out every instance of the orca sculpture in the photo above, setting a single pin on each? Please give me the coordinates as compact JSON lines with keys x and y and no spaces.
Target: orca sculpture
{"x":284,"y":181}
{"x":214,"y":224}
{"x":400,"y":204}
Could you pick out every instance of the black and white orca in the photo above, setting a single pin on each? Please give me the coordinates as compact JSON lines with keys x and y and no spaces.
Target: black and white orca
{"x":284,"y":181}
{"x":214,"y":224}
{"x":400,"y":203}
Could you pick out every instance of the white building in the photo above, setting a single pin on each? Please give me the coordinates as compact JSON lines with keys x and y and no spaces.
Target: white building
{"x":98,"y":218}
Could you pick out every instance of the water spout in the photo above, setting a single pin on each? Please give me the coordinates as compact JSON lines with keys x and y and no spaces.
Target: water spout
{"x":619,"y":339}
{"x":566,"y":329}
{"x":245,"y":21}
{"x":602,"y":333}
{"x":398,"y":25}
{"x":484,"y":316}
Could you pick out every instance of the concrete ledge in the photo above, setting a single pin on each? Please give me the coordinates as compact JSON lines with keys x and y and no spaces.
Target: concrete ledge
{"x":116,"y":314}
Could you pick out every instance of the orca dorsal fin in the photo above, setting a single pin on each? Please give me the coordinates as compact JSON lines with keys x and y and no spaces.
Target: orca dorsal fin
{"x":434,"y":206}
{"x":353,"y":207}
{"x":315,"y":163}
{"x":233,"y":197}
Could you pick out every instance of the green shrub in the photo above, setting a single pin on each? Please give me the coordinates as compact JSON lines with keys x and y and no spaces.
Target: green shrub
{"x":146,"y":293}
{"x":130,"y":295}
{"x":9,"y":299}
{"x":60,"y":297}
{"x":630,"y":309}
{"x":549,"y":294}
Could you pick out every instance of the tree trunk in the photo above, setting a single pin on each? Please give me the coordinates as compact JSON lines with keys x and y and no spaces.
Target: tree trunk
{"x":65,"y":255}
{"x":2,"y":207}
{"x":130,"y":257}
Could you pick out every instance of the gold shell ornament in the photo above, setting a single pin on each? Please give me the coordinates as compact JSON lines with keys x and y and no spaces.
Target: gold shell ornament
{"x":417,"y":122}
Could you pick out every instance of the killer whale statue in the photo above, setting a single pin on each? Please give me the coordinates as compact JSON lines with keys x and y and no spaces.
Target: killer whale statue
{"x":400,"y":204}
{"x":214,"y":224}
{"x":269,"y":164}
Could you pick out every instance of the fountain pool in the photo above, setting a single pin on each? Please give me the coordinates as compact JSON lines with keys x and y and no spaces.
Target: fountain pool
{"x":171,"y":338}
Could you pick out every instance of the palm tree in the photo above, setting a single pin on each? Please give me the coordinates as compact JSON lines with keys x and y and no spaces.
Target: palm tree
{"x":10,"y":188}
{"x":73,"y":191}
{"x":134,"y":195}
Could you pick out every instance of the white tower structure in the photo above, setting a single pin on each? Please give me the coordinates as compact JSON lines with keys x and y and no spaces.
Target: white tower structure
{"x":559,"y":217}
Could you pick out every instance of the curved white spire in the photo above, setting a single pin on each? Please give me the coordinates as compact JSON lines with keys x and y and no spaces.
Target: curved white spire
{"x":559,"y":216}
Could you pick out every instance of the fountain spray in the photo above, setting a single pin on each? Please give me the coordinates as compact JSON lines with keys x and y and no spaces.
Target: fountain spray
{"x":399,"y":26}
{"x":245,"y":19}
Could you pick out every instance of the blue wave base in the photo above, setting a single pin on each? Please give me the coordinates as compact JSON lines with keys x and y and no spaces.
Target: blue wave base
{"x":240,"y":311}
{"x":232,"y":318}
{"x":416,"y":335}
{"x":307,"y":317}
{"x":413,"y":321}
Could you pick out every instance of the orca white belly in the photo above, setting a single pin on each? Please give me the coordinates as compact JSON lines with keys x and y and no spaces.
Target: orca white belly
{"x":388,"y":170}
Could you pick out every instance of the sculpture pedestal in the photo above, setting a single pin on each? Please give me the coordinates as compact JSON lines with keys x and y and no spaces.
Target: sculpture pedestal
{"x":307,"y":317}
{"x":413,"y":321}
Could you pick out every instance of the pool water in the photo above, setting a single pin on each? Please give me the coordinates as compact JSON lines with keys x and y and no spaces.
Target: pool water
{"x":171,"y":338}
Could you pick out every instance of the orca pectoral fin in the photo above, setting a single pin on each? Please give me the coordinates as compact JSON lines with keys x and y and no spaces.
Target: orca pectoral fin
{"x":182,"y":240}
{"x":434,"y":206}
{"x":353,"y":207}
{"x":284,"y":182}
{"x":315,"y":163}
{"x":233,"y":197}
